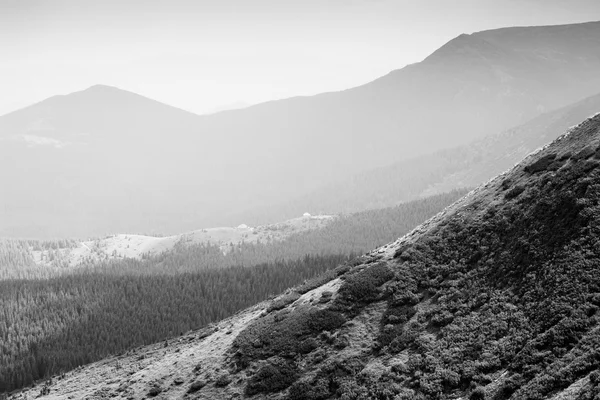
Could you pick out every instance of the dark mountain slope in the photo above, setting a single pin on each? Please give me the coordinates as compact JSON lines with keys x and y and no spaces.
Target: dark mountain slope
{"x":464,"y":166}
{"x":497,"y":297}
{"x":173,"y":171}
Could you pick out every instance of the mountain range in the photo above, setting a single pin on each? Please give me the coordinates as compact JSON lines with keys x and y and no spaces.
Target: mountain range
{"x":105,"y":160}
{"x":496,"y":297}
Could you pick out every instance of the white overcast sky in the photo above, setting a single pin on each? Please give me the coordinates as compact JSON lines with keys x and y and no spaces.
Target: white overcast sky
{"x":202,"y":54}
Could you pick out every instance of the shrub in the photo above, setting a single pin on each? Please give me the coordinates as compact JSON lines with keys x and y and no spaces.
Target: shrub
{"x":508,"y":387}
{"x":197,"y":368}
{"x":565,"y":156}
{"x":441,"y":318}
{"x":306,"y":390}
{"x":223,"y":380}
{"x":325,"y":297}
{"x":514,"y":192}
{"x":341,"y":270}
{"x":154,"y":391}
{"x":595,"y":378}
{"x":301,"y":391}
{"x":284,"y":336}
{"x":341,"y":342}
{"x":477,"y":394}
{"x":197,"y":385}
{"x":541,"y":164}
{"x":586,"y":152}
{"x":392,"y":322}
{"x":342,"y":367}
{"x":283,"y":301}
{"x":363,"y":286}
{"x":556,"y":164}
{"x":324,"y":320}
{"x":177,"y":381}
{"x":273,"y":377}
{"x":308,"y":346}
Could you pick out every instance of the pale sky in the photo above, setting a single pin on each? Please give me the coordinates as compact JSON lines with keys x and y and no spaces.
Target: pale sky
{"x":202,"y":54}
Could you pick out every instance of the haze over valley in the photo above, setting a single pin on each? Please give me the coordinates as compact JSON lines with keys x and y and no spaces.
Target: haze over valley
{"x":100,"y":158}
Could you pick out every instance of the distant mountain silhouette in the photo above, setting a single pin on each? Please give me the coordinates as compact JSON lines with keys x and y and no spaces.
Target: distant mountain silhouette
{"x":105,"y":160}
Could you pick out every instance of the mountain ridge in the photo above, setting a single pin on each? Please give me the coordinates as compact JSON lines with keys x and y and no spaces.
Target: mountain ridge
{"x":231,"y":156}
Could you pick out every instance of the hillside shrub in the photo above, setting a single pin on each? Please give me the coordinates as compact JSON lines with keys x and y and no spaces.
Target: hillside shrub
{"x":271,"y":378}
{"x":223,"y":380}
{"x":541,"y":164}
{"x":556,"y":164}
{"x":364,"y":286}
{"x":506,"y":184}
{"x":197,"y":385}
{"x":586,"y":152}
{"x":154,"y":391}
{"x":477,"y":394}
{"x":283,"y":335}
{"x":325,"y":297}
{"x":514,"y":192}
{"x":595,"y":378}
{"x":392,"y":324}
{"x":309,"y":390}
{"x":308,"y":345}
{"x":283,"y":301}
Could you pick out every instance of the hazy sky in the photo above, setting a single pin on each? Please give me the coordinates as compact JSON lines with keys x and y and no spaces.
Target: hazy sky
{"x":202,"y":54}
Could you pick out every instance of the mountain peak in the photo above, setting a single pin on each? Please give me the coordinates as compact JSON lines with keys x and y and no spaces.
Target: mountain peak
{"x":100,"y":86}
{"x":466,"y":46}
{"x":104,"y":90}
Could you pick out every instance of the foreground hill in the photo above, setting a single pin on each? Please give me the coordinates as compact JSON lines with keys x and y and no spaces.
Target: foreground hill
{"x":464,"y":166}
{"x":106,"y":160}
{"x":496,"y":297}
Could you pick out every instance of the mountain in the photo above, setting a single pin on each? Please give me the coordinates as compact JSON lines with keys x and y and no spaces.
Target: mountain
{"x":459,"y":167}
{"x":496,"y":297}
{"x":104,"y":160}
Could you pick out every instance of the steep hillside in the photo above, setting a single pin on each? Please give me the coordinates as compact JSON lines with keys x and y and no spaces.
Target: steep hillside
{"x":170,"y":171}
{"x":464,"y":166}
{"x":497,"y":297}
